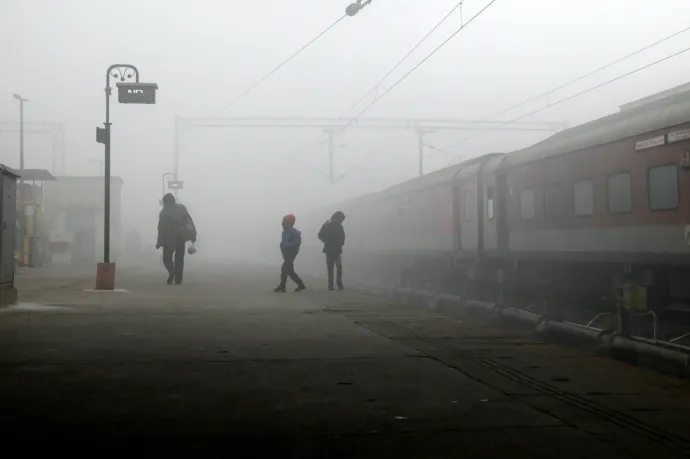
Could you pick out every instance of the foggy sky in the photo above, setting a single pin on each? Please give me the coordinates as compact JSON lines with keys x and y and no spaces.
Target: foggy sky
{"x":203,"y":53}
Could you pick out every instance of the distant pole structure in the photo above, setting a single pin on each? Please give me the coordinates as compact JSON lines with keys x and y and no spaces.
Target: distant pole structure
{"x":21,"y":171}
{"x":420,"y":146}
{"x":331,"y":154}
{"x":55,"y":130}
{"x":167,"y":178}
{"x":331,"y":126}
{"x":176,"y":146}
{"x":21,"y":139}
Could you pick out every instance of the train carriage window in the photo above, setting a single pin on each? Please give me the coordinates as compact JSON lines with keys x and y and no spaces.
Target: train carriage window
{"x":620,"y":193}
{"x":490,"y":203}
{"x":583,"y":198}
{"x":663,"y":187}
{"x":468,"y":206}
{"x":527,"y":204}
{"x":552,"y":201}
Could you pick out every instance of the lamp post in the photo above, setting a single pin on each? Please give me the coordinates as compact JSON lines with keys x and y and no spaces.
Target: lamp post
{"x":128,"y":93}
{"x":21,"y":136}
{"x":21,"y":169}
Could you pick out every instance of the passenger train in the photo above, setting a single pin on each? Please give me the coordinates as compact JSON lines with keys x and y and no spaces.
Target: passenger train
{"x":571,"y":218}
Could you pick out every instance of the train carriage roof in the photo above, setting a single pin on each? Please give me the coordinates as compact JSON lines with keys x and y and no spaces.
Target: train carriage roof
{"x":632,"y":120}
{"x":442,"y":176}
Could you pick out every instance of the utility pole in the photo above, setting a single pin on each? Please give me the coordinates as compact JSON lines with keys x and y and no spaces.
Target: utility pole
{"x":331,"y":154}
{"x":21,"y":169}
{"x":176,"y":151}
{"x":21,"y":136}
{"x":331,"y":126}
{"x":420,"y":143}
{"x":54,"y":129}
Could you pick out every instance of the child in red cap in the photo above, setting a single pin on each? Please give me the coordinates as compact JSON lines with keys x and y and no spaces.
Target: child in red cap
{"x":289,"y":246}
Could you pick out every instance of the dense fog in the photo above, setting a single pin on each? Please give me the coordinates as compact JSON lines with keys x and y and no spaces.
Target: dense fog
{"x":239,"y":182}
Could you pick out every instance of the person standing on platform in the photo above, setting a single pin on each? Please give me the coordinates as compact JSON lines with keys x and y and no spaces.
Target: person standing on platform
{"x":175,"y":228}
{"x":289,"y":247}
{"x":332,"y":234}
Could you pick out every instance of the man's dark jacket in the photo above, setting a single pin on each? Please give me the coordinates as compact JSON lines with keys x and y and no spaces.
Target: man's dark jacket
{"x":332,"y":234}
{"x":175,"y":226}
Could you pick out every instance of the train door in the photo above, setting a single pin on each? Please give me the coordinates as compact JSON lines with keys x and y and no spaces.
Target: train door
{"x":457,"y":221}
{"x":468,"y":217}
{"x":503,"y":197}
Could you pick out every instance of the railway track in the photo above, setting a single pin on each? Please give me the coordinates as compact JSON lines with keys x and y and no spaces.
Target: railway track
{"x":677,"y":444}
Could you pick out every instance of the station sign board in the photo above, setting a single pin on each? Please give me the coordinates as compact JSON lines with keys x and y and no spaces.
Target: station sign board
{"x":136,"y":93}
{"x":175,"y":184}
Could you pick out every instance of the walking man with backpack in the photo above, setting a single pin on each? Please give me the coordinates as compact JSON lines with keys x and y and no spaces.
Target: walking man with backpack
{"x":175,"y":228}
{"x":332,"y":234}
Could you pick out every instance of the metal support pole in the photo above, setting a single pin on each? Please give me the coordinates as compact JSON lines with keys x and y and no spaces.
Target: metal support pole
{"x":332,"y":125}
{"x":420,"y":146}
{"x":176,"y":168}
{"x":22,"y":208}
{"x":21,"y":141}
{"x":108,"y":91}
{"x":53,"y":156}
{"x":62,"y":152}
{"x":331,"y":154}
{"x":166,"y":178}
{"x":106,"y":211}
{"x":21,"y":182}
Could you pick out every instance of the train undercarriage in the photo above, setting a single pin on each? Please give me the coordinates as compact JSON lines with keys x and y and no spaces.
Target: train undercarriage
{"x":651,"y":300}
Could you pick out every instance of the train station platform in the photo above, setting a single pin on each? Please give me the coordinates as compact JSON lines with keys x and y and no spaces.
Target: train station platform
{"x":221,"y":364}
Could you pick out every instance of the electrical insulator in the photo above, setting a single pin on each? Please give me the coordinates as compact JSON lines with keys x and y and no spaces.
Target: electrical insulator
{"x":354,"y":8}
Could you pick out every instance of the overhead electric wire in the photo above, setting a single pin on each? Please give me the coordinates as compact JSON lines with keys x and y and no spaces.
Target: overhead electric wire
{"x":588,"y":74}
{"x":443,"y":43}
{"x":620,"y":77}
{"x":458,"y":5}
{"x":268,"y":75}
{"x":462,"y":26}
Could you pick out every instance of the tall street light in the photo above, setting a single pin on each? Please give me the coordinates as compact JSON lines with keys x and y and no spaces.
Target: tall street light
{"x":21,"y":176}
{"x":21,"y":137}
{"x":128,"y":93}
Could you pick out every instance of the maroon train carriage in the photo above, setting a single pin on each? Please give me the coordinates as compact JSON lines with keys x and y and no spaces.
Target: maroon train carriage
{"x":574,"y":217}
{"x":423,"y":227}
{"x":603,"y":204}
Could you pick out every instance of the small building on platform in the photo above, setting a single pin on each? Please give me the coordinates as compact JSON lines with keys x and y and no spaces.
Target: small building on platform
{"x":75,"y":215}
{"x":32,"y":248}
{"x":8,"y":217}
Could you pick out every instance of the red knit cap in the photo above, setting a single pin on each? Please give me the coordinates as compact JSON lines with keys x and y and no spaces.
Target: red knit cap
{"x":290,"y":218}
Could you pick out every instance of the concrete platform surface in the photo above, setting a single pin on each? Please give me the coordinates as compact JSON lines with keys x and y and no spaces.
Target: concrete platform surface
{"x":222,"y":365}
